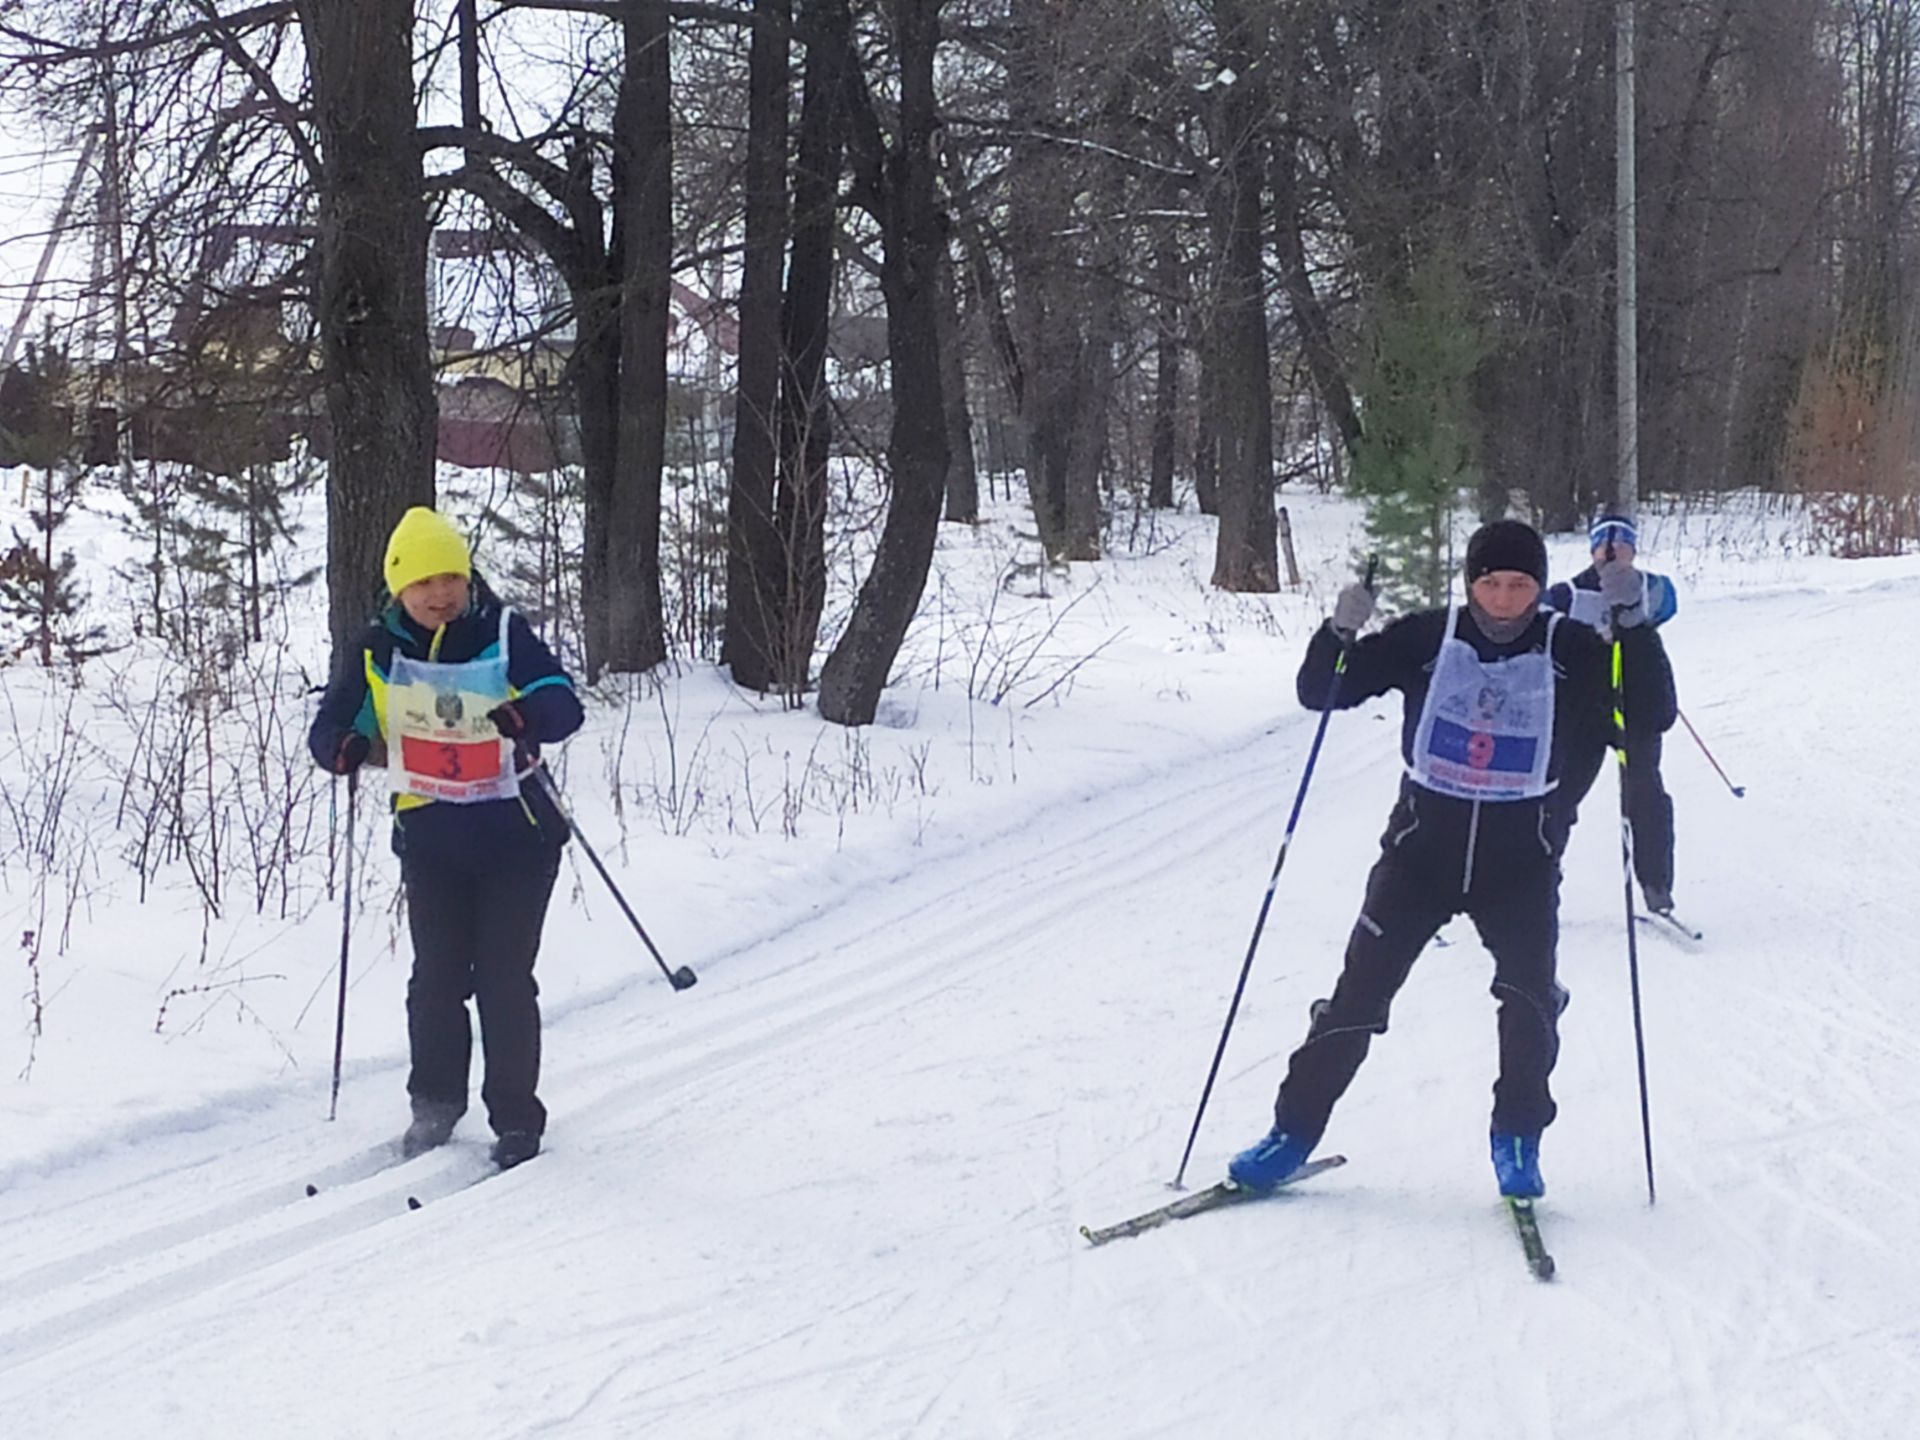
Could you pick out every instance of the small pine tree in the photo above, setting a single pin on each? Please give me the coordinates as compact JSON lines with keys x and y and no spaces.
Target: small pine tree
{"x":1417,"y":451}
{"x":37,"y":584}
{"x":247,"y":515}
{"x":535,"y":554}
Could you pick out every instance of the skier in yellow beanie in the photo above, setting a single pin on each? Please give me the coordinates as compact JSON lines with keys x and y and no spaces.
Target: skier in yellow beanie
{"x":425,"y":544}
{"x":463,"y":694}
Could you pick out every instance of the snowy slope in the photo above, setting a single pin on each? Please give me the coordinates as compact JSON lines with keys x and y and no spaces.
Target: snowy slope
{"x":834,"y":1190}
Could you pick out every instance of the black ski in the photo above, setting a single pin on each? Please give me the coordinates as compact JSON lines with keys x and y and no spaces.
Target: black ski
{"x":1526,"y":1224}
{"x":1671,"y":924}
{"x":1214,"y":1197}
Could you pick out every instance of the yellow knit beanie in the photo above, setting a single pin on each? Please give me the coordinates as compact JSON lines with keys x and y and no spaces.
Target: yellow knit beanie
{"x":424,"y":544}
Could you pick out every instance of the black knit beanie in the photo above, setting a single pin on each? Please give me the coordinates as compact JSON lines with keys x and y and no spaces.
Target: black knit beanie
{"x":1507,"y":545}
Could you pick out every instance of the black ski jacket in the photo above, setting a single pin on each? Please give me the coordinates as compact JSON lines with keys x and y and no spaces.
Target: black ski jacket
{"x":1402,"y":655}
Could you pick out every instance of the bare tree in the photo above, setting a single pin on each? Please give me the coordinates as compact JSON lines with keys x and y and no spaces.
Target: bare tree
{"x":1246,"y":556}
{"x":756,"y":558}
{"x":370,"y":290}
{"x":895,"y":184}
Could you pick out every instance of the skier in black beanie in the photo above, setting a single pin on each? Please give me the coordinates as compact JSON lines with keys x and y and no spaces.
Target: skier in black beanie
{"x":1508,"y":715}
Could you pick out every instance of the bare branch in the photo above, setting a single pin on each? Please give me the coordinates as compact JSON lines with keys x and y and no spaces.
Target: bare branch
{"x":288,"y":114}
{"x":46,"y":52}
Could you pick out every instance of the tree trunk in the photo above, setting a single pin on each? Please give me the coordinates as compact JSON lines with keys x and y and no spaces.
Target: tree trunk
{"x":963,"y":478}
{"x":371,"y":291}
{"x":625,"y":524}
{"x":1246,"y":556}
{"x":594,"y":370}
{"x":900,"y":181}
{"x":756,"y":568}
{"x":1092,"y":394}
{"x":806,"y":404}
{"x":1206,"y":426}
{"x":1166,"y":367}
{"x":1309,"y":314}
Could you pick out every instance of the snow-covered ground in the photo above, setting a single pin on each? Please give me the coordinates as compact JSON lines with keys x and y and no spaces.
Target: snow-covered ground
{"x":961,"y":975}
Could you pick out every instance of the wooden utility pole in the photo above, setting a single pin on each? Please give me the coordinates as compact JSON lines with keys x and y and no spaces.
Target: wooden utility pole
{"x":1626,"y":351}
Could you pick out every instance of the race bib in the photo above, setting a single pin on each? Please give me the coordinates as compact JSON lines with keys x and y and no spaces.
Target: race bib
{"x":1486,"y":730}
{"x":440,"y":743}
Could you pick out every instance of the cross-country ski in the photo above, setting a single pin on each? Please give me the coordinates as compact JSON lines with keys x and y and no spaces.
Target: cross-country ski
{"x":1214,"y":1197}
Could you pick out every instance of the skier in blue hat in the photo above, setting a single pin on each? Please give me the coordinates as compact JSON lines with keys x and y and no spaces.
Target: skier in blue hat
{"x":1611,"y":588}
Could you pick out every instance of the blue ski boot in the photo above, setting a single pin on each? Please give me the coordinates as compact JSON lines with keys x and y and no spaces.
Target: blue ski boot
{"x":1275,"y":1156}
{"x":1516,"y":1162}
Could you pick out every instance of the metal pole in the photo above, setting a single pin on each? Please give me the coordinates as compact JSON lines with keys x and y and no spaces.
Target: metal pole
{"x":1739,"y":791}
{"x":55,"y":235}
{"x":346,"y":936}
{"x":681,"y":979}
{"x":1626,"y":352}
{"x":1626,"y":881}
{"x":1266,"y":901}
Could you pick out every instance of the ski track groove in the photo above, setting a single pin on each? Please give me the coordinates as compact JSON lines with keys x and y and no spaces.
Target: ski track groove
{"x":294,"y":1232}
{"x":266,"y":1200}
{"x":219,"y":1244}
{"x":944,"y":930}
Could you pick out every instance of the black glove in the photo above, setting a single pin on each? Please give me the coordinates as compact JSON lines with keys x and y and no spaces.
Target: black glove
{"x":509,"y":720}
{"x":351,"y":753}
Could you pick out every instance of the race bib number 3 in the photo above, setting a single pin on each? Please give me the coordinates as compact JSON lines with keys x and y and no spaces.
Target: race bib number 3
{"x":437,"y":719}
{"x":450,"y":760}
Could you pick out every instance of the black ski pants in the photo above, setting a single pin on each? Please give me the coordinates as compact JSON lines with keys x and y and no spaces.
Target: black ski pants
{"x":1650,"y":814}
{"x":1512,"y":894}
{"x":476,"y":933}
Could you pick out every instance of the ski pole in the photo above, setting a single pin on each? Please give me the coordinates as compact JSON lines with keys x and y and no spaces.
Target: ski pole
{"x":1626,"y":871}
{"x":1738,"y":790}
{"x":346,"y":935}
{"x":681,"y":979}
{"x":1266,"y":901}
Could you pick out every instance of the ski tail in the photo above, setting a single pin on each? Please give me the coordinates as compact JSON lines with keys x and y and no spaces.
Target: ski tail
{"x":1526,"y":1225}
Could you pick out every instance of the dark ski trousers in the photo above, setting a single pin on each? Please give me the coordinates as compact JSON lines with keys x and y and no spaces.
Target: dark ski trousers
{"x":476,"y":933}
{"x":1514,"y":900}
{"x":1650,"y":814}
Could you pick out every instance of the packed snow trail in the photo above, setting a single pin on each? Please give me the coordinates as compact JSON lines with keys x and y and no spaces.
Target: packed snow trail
{"x":835,"y":1190}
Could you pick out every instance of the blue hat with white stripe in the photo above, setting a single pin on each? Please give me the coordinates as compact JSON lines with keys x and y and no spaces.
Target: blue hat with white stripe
{"x":1616,"y":528}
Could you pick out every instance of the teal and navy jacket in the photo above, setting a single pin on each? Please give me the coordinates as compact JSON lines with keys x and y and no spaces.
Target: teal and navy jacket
{"x":472,"y":836}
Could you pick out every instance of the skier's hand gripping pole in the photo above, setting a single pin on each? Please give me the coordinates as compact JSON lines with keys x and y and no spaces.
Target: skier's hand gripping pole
{"x":1266,"y":901}
{"x":682,"y":978}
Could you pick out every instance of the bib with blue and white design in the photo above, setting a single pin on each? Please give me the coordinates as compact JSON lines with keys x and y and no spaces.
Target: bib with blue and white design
{"x":1486,"y":730}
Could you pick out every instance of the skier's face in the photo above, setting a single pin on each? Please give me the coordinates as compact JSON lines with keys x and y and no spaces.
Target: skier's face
{"x":1612,"y":550}
{"x":435,"y":601}
{"x":1507,"y":594}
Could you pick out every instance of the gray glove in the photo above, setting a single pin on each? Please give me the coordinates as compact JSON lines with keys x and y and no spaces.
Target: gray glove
{"x":1625,"y":591}
{"x":1352,"y":608}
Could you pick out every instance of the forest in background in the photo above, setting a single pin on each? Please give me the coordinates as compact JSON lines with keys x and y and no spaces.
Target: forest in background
{"x":1129,"y":255}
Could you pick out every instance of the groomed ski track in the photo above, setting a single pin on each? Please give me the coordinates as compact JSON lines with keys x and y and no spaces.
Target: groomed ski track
{"x":835,"y":1190}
